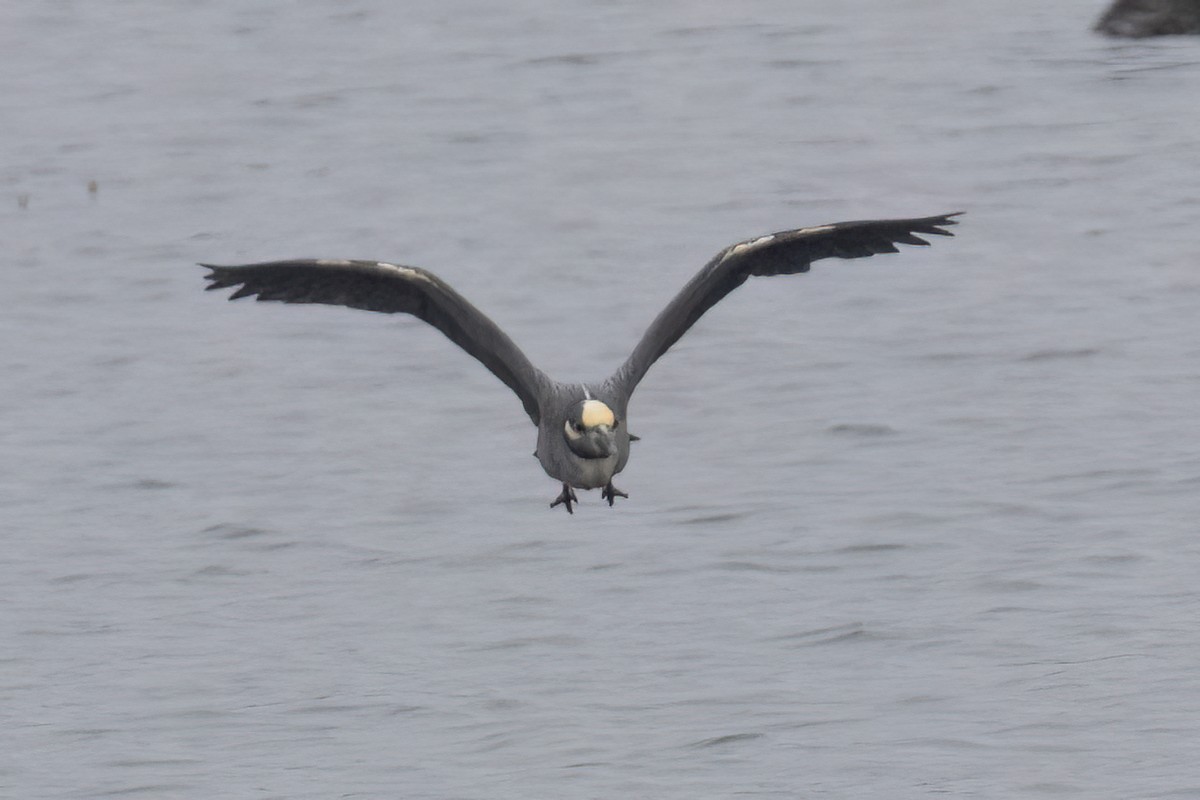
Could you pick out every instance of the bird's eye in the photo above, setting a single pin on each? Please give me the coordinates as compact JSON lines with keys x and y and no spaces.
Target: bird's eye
{"x":616,"y":424}
{"x":577,"y":426}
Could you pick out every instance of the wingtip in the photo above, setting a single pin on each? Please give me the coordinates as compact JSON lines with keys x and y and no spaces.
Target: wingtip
{"x":217,"y":277}
{"x":212,"y":277}
{"x":935,"y":223}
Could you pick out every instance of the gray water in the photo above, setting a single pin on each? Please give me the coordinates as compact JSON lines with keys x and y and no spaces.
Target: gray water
{"x":918,"y":525}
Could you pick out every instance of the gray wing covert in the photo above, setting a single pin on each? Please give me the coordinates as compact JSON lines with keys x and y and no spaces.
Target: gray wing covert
{"x":391,"y":289}
{"x":782,"y":253}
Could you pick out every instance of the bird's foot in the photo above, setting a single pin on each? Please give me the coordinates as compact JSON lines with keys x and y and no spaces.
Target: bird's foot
{"x":611,"y":493}
{"x":566,"y":497}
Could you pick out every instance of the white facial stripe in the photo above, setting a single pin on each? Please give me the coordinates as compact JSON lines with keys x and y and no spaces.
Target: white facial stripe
{"x":597,"y":413}
{"x":571,"y":433}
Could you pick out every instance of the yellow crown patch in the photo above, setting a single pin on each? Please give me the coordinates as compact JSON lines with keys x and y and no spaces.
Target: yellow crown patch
{"x":596,"y":413}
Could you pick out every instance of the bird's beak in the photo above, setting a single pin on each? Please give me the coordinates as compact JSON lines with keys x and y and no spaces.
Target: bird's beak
{"x":603,"y":440}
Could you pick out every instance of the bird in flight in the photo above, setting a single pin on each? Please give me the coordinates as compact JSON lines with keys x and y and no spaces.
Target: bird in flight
{"x":583,"y":434}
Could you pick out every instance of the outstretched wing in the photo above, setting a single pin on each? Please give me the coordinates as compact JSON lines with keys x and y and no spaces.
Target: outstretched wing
{"x":783,"y":253}
{"x":391,"y":289}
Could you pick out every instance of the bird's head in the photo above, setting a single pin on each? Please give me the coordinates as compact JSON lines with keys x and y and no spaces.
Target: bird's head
{"x":591,"y":429}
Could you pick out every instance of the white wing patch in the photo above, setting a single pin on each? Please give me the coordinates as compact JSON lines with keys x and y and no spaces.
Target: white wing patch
{"x":408,"y":272}
{"x":817,"y":229}
{"x":744,"y":246}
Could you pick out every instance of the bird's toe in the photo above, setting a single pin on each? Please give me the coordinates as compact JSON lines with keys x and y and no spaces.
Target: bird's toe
{"x":611,"y":493}
{"x":565,"y":498}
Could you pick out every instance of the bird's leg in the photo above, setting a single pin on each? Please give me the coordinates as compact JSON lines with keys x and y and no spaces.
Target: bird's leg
{"x":611,"y":493}
{"x":566,"y":497}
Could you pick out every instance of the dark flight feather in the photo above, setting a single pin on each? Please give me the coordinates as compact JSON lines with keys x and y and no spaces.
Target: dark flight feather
{"x":782,"y":253}
{"x":391,"y":289}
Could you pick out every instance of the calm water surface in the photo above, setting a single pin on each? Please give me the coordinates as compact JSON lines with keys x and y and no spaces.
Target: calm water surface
{"x":918,"y":525}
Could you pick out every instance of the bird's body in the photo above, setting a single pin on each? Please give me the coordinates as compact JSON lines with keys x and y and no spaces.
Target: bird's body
{"x":583,"y":439}
{"x":553,"y":448}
